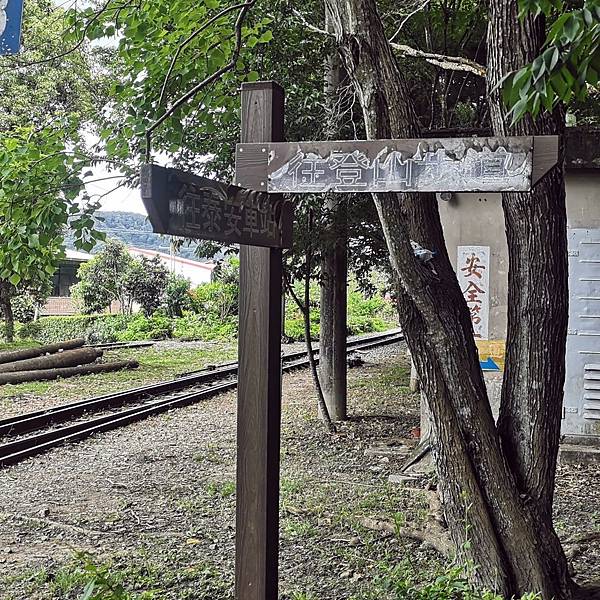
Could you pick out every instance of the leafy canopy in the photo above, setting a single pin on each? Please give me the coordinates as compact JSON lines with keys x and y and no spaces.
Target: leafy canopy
{"x":166,"y":48}
{"x":40,"y":184}
{"x":569,"y":67}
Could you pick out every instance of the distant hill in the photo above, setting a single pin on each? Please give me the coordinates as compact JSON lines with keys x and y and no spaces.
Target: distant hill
{"x":134,"y":230}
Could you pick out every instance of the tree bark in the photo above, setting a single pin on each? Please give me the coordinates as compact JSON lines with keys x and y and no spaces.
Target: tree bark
{"x":7,"y":357}
{"x":68,"y":358}
{"x":7,"y":312}
{"x":49,"y":374}
{"x":481,"y":498}
{"x":333,"y":368}
{"x":536,"y":229}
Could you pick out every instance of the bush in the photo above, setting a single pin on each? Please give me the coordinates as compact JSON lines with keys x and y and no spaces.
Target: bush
{"x":177,"y":295}
{"x":96,"y":329}
{"x":156,"y":327}
{"x":23,"y":308}
{"x":192,"y":327}
{"x":216,"y":300}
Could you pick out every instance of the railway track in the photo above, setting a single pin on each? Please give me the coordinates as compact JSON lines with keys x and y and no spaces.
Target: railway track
{"x":77,"y":420}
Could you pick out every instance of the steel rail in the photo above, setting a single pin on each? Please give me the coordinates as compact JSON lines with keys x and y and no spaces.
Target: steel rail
{"x":34,"y":420}
{"x":22,"y":448}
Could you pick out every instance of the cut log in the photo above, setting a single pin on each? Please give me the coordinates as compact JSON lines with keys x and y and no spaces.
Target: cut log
{"x":68,"y":358}
{"x":48,"y":374}
{"x":16,"y":355}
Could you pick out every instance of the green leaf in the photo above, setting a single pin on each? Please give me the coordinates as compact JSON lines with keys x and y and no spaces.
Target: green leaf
{"x":267,"y":36}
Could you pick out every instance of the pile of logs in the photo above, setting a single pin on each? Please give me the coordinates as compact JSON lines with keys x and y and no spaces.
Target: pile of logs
{"x":54,"y":361}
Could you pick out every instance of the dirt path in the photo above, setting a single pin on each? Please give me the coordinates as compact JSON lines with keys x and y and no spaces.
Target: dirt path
{"x":155,"y":502}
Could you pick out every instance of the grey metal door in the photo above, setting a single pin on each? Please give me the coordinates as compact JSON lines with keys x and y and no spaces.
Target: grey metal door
{"x":581,"y":412}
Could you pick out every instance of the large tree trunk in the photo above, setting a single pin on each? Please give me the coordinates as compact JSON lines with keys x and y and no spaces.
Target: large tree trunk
{"x":481,"y":498}
{"x":536,"y":230}
{"x":7,"y":312}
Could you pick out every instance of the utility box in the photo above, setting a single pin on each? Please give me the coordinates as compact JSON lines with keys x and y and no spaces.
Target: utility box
{"x":581,"y":410}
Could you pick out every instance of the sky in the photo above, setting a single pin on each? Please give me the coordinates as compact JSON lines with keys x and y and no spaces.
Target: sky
{"x":122,"y":199}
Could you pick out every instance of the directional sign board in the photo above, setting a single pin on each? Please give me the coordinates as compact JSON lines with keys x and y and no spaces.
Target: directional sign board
{"x":411,"y":165}
{"x":187,"y":205}
{"x":11,"y":13}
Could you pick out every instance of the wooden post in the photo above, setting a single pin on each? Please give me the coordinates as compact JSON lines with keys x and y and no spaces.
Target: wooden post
{"x":333,"y":325}
{"x":259,"y":380}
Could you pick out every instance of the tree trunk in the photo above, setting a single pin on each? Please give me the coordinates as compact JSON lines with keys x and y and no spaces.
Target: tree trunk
{"x":536,"y":229}
{"x":333,"y":368}
{"x":333,"y":316}
{"x":7,"y":357}
{"x":68,"y":358}
{"x":7,"y":312}
{"x":481,"y":498}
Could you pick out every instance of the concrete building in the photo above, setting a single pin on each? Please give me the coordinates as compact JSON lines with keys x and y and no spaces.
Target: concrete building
{"x":475,"y":237}
{"x":60,"y":302}
{"x":197,"y":272}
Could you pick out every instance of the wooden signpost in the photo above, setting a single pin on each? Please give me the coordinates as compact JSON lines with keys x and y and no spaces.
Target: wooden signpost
{"x":183,"y":204}
{"x":253,"y":215}
{"x":187,"y":205}
{"x":420,"y":165}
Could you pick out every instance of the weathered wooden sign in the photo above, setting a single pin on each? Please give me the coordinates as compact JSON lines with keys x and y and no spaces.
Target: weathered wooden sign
{"x":11,"y":13}
{"x":411,"y":165}
{"x":187,"y":205}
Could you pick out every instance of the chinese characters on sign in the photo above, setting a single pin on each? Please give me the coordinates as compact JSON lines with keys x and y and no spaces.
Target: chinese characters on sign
{"x":187,"y":205}
{"x":473,"y":270}
{"x":409,"y":165}
{"x":426,"y":170}
{"x":11,"y":12}
{"x":208,"y":211}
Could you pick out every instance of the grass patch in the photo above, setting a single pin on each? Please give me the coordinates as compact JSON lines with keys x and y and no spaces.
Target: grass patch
{"x":18,"y":345}
{"x":221,"y":489}
{"x":156,"y":364}
{"x":133,"y":577}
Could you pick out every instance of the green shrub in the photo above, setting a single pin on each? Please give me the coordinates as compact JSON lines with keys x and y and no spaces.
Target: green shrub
{"x":215,"y":300}
{"x":94,"y":328}
{"x":199,"y":327}
{"x":177,"y":295}
{"x":23,"y":307}
{"x":358,"y":325}
{"x":156,"y":327}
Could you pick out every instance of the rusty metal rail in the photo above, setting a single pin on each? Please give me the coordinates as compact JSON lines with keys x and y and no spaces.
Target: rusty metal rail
{"x":21,"y":448}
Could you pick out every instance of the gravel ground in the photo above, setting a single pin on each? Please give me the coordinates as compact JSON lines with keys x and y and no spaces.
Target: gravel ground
{"x":155,"y":502}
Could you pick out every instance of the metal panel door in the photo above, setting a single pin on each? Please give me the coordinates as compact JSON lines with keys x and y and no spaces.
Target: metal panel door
{"x":581,"y":412}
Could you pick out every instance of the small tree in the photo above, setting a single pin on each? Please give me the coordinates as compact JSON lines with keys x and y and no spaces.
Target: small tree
{"x":115,"y":275}
{"x":102,"y":279}
{"x":40,"y":185}
{"x":177,"y":295}
{"x":145,"y":282}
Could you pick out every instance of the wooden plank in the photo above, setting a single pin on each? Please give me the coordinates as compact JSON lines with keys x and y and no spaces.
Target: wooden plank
{"x":188,"y":205}
{"x":259,"y":382}
{"x":422,"y":165}
{"x":545,"y":155}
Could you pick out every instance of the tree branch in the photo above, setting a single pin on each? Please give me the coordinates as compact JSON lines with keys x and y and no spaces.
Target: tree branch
{"x":190,"y":38}
{"x":406,"y":18}
{"x":207,"y":81}
{"x":308,"y":25}
{"x":450,"y":63}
